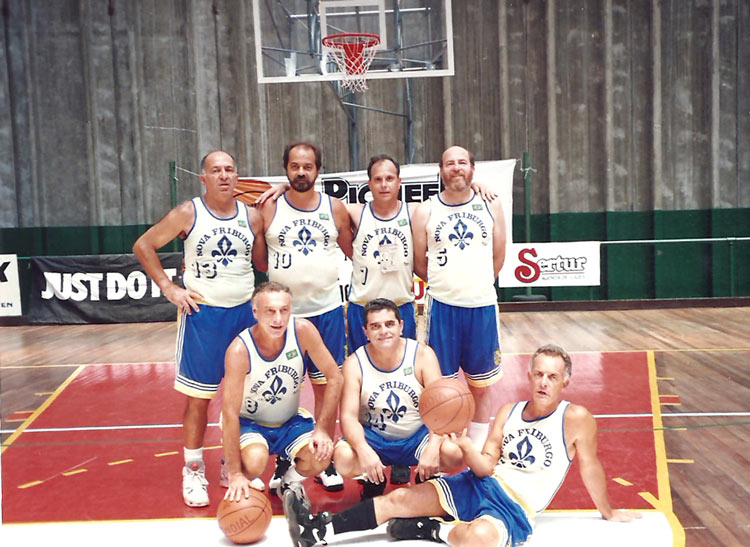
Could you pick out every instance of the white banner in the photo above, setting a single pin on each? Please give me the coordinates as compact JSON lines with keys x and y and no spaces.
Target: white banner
{"x":418,"y":182}
{"x":551,"y":265}
{"x":10,"y":292}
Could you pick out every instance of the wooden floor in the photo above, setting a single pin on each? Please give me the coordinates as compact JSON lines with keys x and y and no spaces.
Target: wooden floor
{"x":701,"y":355}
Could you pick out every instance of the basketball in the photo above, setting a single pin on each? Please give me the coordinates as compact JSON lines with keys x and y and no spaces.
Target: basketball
{"x":245,"y":521}
{"x":446,"y":406}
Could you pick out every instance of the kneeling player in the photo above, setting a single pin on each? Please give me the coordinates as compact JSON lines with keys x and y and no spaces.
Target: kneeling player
{"x":262,"y":383}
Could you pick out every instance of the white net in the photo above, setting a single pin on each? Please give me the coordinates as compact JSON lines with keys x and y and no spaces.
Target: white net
{"x":353,"y":54}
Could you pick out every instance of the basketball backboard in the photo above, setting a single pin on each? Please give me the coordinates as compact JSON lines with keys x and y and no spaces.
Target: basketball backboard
{"x":416,"y":37}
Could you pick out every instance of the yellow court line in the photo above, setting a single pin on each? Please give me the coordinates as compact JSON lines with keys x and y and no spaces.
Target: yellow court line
{"x":665,"y":377}
{"x":22,"y":412}
{"x":680,"y":460}
{"x":120,"y":462}
{"x":42,"y":408}
{"x":668,"y":394}
{"x":212,"y":447}
{"x":74,"y":472}
{"x":671,"y":404}
{"x":160,"y":454}
{"x":664,"y":503}
{"x":29,"y":484}
{"x":42,"y":393}
{"x":14,"y":419}
{"x":622,"y":481}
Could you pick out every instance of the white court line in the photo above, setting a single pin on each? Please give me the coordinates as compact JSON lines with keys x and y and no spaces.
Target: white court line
{"x":558,"y":528}
{"x":216,"y":424}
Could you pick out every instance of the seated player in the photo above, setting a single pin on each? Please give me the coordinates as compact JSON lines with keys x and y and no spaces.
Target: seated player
{"x":523,"y":462}
{"x":262,"y":384}
{"x":380,"y":417}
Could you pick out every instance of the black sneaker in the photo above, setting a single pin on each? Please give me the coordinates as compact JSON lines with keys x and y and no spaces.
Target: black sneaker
{"x":371,"y":490}
{"x":305,"y":529}
{"x":282,"y":465}
{"x":414,"y":528}
{"x":400,"y":474}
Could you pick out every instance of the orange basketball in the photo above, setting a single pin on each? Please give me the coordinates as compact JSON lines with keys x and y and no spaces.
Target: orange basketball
{"x":245,"y":521}
{"x":446,"y":406}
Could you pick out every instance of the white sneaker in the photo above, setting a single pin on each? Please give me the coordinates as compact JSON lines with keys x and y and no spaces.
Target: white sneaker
{"x":194,"y":484}
{"x":257,"y":483}
{"x":330,"y":479}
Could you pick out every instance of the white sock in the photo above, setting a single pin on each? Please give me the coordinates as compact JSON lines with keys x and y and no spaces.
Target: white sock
{"x":478,"y":432}
{"x":292,"y":475}
{"x":444,"y":530}
{"x":193,"y":454}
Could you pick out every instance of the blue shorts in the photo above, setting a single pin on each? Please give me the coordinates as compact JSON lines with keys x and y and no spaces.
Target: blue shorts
{"x":330,"y":325}
{"x":355,"y":324}
{"x":466,"y":497}
{"x":404,"y":451}
{"x":202,"y":341}
{"x":467,"y":338}
{"x":286,"y":439}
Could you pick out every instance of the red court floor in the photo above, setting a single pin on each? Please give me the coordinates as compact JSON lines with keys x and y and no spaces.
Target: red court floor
{"x":109,"y":444}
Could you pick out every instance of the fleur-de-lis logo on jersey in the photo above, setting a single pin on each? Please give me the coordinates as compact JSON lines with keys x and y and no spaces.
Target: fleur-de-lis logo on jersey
{"x":225,"y":253}
{"x":375,"y":422}
{"x":305,"y":243}
{"x":462,"y":236}
{"x":524,"y":458}
{"x":394,"y":412}
{"x":273,"y":395}
{"x":385,"y":241}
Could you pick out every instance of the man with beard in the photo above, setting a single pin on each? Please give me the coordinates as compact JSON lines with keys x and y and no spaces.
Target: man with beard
{"x":304,"y":231}
{"x":459,"y":248}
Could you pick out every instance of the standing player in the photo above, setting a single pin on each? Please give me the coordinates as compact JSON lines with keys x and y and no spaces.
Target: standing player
{"x":380,"y":405}
{"x":220,"y":245}
{"x":513,"y":479}
{"x":459,"y":248}
{"x":304,"y":230}
{"x":264,"y":375}
{"x":383,"y":256}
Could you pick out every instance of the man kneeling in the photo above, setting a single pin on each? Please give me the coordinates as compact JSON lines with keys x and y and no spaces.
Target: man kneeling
{"x":524,"y":460}
{"x":262,"y":383}
{"x":380,"y":406}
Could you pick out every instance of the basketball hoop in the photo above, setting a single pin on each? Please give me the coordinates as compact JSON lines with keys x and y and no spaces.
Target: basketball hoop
{"x":353,"y":53}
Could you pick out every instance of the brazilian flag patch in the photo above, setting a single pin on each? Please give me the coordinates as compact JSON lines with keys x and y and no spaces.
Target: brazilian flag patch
{"x":291,"y":354}
{"x":323,"y":216}
{"x":402,"y":222}
{"x":242,"y":223}
{"x":407,"y":371}
{"x":476,"y":207}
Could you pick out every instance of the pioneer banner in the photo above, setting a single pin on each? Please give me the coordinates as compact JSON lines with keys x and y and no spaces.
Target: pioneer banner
{"x":99,"y":289}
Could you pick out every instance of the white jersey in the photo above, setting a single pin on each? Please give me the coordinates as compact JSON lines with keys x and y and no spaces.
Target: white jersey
{"x":218,"y":256}
{"x":460,"y":270}
{"x":389,"y":399}
{"x":303,"y":255}
{"x":272,"y":386}
{"x":534,"y":459}
{"x":383,"y":258}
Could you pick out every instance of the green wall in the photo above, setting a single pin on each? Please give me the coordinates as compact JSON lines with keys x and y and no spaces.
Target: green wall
{"x":650,"y":270}
{"x":629,"y":271}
